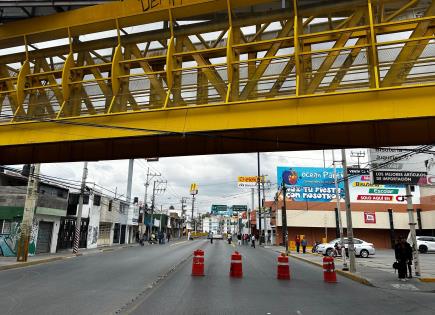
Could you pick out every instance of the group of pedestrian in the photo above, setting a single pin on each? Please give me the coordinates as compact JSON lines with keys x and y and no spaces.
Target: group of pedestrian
{"x":301,"y":242}
{"x":161,"y":238}
{"x":403,"y":253}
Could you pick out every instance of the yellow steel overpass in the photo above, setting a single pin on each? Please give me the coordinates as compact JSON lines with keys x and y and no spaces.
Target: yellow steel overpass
{"x":146,"y":78}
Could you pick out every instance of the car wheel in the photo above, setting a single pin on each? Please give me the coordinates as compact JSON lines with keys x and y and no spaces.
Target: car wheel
{"x":329,"y":252}
{"x":364,"y":253}
{"x":422,"y":249}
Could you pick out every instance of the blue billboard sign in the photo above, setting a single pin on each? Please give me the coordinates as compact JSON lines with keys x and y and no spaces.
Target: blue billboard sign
{"x":310,"y":183}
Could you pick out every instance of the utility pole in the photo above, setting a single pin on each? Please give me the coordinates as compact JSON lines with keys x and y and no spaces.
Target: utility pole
{"x":156,"y":189}
{"x":259,"y":195}
{"x":29,"y":210}
{"x":263,"y":206}
{"x":412,"y":230}
{"x":149,"y":177}
{"x":252,"y":209}
{"x":129,"y":179}
{"x":183,"y":210}
{"x":80,"y":209}
{"x":358,"y":155}
{"x":284,"y":217}
{"x":193,"y":192}
{"x":352,"y":267}
{"x":340,"y":223}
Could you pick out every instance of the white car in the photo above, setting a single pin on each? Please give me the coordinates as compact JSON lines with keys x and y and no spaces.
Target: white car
{"x":425,"y":244}
{"x":362,"y":248}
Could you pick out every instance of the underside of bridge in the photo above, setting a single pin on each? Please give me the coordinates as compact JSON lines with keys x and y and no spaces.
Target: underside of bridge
{"x":156,"y":78}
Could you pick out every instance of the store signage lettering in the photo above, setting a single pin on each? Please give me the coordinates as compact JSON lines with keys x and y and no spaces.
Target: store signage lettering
{"x":374,"y":198}
{"x":383,"y":191}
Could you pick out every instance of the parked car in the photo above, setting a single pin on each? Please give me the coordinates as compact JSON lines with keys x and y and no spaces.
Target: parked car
{"x":362,"y":248}
{"x":425,"y":244}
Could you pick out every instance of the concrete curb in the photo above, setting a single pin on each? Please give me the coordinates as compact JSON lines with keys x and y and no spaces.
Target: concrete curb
{"x":32,"y":263}
{"x":426,"y":279}
{"x":346,"y":274}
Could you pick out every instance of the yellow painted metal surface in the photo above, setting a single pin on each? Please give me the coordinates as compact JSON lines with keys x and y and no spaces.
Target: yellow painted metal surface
{"x":214,"y":65}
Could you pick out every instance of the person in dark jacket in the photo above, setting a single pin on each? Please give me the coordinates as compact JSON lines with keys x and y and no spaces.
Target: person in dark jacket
{"x":401,"y":253}
{"x":409,"y":259}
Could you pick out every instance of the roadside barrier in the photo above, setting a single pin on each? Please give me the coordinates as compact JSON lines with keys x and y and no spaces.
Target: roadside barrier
{"x":283,"y":268}
{"x":329,"y":274}
{"x":236,"y":270}
{"x":198,"y":263}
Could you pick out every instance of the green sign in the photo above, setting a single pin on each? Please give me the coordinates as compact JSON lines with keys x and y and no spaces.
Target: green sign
{"x":383,"y":191}
{"x":239,"y":208}
{"x":219,"y":208}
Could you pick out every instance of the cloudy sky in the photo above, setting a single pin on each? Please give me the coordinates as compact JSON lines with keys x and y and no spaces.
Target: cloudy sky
{"x":216,"y":175}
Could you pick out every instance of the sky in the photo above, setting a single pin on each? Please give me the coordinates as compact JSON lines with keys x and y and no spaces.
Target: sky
{"x":215,"y":175}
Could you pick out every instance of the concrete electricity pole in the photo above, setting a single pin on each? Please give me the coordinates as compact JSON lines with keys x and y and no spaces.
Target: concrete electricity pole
{"x":412,"y":231}
{"x":352,"y":267}
{"x":259,"y":196}
{"x":129,"y":180}
{"x":340,"y":223}
{"x":149,"y":177}
{"x":80,"y":209}
{"x":284,"y":217}
{"x":29,"y":210}
{"x":153,"y":199}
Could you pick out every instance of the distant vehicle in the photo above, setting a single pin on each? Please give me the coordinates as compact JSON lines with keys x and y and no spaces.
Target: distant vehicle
{"x":362,"y":248}
{"x":218,"y":236}
{"x":425,"y":244}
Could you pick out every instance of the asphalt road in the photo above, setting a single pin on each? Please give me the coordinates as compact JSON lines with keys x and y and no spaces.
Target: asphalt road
{"x":93,"y":284}
{"x":259,"y":292}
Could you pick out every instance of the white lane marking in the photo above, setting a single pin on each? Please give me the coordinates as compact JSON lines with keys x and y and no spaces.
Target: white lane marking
{"x":179,"y":243}
{"x":298,"y":312}
{"x":400,"y":286}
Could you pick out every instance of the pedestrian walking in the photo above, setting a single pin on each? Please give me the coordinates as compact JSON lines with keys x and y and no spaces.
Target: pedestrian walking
{"x":304,"y":245}
{"x":297,"y":242}
{"x":239,"y":239}
{"x":229,"y":238}
{"x":188,"y":236}
{"x":253,"y":241}
{"x":211,"y":237}
{"x":401,"y":253}
{"x":168,"y":236}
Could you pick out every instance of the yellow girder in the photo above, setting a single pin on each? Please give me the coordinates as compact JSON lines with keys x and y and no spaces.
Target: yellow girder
{"x":287,"y":69}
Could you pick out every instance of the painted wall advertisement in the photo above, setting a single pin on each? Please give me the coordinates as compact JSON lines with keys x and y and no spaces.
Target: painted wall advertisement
{"x":370,"y":217}
{"x":310,"y":183}
{"x":314,"y":184}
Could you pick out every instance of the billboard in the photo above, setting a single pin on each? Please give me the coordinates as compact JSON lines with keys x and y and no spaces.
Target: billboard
{"x":310,"y":183}
{"x":315,"y":184}
{"x":363,"y":190}
{"x":400,"y":166}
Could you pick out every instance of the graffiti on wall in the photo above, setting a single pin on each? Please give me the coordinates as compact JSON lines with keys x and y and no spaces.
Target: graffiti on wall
{"x":9,"y":242}
{"x":93,"y":234}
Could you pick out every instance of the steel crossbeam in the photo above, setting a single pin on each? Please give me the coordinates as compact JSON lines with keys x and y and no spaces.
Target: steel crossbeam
{"x":129,"y":57}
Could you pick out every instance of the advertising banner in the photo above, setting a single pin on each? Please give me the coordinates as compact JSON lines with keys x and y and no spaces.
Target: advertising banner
{"x":310,"y":183}
{"x":362,"y":190}
{"x":401,"y":166}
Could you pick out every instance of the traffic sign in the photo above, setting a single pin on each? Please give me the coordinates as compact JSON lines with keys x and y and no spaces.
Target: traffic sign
{"x":239,"y":208}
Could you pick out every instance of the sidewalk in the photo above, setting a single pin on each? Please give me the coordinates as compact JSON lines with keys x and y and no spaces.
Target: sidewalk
{"x":368,"y":275}
{"x":11,"y":262}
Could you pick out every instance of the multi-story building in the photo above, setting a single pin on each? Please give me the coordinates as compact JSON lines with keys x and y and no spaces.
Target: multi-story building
{"x":51,"y":205}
